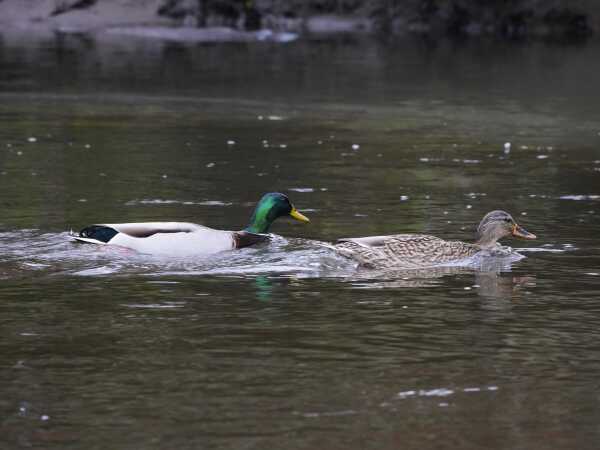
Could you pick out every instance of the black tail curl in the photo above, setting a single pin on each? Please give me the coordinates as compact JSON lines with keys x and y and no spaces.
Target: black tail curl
{"x":99,"y":232}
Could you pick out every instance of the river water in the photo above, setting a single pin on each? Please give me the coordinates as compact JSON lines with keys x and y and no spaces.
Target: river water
{"x":287,"y":346}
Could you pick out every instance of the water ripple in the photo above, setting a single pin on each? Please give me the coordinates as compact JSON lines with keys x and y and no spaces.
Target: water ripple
{"x":28,"y":251}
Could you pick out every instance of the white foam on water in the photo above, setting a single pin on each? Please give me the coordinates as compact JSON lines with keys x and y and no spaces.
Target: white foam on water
{"x":166,"y":305}
{"x":498,"y":258}
{"x":314,"y":415}
{"x":442,"y":392}
{"x":540,"y":250}
{"x":103,"y":270}
{"x":158,"y":201}
{"x":29,"y":251}
{"x":579,"y":197}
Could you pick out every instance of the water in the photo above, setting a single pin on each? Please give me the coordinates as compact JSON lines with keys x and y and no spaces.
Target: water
{"x":287,"y":345}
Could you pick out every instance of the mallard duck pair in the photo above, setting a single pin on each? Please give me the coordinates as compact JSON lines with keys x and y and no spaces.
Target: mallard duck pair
{"x":373,"y":252}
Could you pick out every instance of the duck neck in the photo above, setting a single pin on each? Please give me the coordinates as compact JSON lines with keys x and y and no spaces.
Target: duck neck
{"x":486,"y":242}
{"x":260,"y":220}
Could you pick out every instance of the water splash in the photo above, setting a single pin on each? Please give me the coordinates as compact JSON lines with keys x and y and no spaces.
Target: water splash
{"x":27,"y":251}
{"x":32,"y":253}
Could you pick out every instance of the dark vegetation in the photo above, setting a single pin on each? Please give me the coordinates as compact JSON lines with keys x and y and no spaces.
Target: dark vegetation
{"x":505,"y":19}
{"x":511,"y":19}
{"x":77,"y":4}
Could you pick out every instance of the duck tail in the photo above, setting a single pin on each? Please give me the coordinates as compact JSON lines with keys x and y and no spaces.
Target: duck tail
{"x":97,"y":234}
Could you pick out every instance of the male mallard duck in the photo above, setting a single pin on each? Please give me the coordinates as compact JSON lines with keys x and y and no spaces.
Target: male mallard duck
{"x":419,"y":250}
{"x":181,"y":238}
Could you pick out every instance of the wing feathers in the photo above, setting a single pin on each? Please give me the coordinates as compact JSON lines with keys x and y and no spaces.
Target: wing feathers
{"x":147,"y":229}
{"x":403,"y":250}
{"x":374,"y":241}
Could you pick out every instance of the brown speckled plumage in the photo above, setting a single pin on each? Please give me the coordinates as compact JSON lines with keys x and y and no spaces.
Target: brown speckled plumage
{"x":412,"y":251}
{"x":404,"y":251}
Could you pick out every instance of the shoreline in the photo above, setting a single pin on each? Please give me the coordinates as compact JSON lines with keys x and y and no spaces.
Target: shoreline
{"x":148,"y":19}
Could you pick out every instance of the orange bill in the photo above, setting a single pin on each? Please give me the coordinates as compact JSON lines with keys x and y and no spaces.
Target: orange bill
{"x":520,"y":232}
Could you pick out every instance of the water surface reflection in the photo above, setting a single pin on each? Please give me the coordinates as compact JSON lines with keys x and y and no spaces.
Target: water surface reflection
{"x":288,"y":346}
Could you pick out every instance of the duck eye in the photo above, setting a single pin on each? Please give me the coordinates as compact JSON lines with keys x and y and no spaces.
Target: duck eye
{"x":507,"y":220}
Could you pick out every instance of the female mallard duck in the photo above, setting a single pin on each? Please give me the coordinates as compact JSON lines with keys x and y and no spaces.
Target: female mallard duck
{"x":407,"y":251}
{"x":185,"y":239}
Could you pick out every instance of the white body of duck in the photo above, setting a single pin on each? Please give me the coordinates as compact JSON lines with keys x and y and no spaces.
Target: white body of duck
{"x":173,"y":238}
{"x":189,"y":239}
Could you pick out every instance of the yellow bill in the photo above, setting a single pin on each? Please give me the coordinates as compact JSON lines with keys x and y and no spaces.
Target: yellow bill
{"x":299,"y":216}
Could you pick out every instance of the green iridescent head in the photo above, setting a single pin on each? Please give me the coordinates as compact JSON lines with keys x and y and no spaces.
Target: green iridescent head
{"x":270,"y":207}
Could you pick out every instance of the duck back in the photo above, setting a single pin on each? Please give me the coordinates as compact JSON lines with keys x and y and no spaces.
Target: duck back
{"x":404,"y":251}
